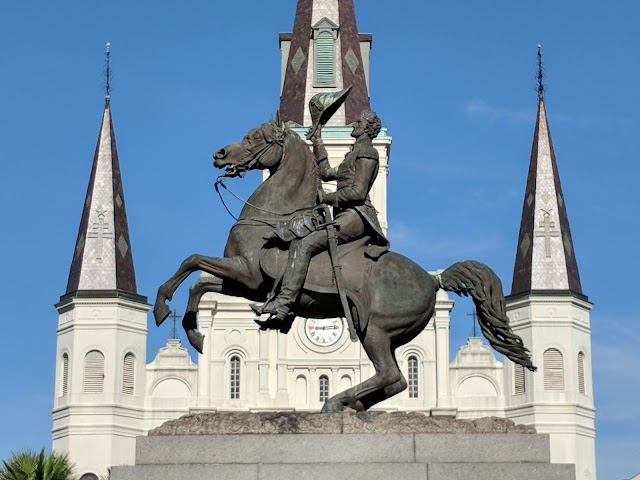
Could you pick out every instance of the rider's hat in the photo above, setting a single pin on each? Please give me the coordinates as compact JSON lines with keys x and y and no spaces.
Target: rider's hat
{"x":322,"y":106}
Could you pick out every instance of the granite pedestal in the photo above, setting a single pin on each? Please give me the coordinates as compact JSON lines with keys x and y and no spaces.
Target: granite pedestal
{"x":301,"y":446}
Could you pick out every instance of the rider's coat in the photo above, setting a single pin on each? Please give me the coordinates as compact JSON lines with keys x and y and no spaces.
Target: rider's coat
{"x":355,"y":177}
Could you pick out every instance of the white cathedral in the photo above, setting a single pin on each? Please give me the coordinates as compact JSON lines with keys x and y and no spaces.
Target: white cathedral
{"x":106,"y":395}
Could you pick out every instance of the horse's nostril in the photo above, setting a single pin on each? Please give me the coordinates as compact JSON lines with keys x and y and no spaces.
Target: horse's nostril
{"x":220,"y":154}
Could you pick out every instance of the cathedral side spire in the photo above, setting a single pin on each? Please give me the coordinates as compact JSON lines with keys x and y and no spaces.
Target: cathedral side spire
{"x":545,"y":258}
{"x":324,"y":53}
{"x":102,"y":257}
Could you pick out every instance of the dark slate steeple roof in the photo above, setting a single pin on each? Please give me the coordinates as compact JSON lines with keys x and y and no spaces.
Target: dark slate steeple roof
{"x":298,"y":85}
{"x":102,"y":259}
{"x":545,"y":258}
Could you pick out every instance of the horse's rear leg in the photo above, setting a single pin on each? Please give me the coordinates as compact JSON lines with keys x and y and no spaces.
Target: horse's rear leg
{"x":387,"y":381}
{"x":234,"y":268}
{"x":190,"y":320}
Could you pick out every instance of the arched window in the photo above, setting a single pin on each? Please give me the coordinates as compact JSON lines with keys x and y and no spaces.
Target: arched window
{"x":128,"y":373}
{"x":93,"y":372}
{"x":581,"y":387}
{"x":234,"y":378}
{"x":301,"y":390}
{"x":325,"y":53}
{"x":324,"y":388}
{"x":553,"y":370}
{"x":65,"y":375}
{"x":413,"y":373}
{"x":89,"y":476}
{"x":519,"y":386}
{"x":345,"y":382}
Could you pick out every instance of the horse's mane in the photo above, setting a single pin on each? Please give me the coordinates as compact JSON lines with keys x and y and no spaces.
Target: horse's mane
{"x":293,"y":141}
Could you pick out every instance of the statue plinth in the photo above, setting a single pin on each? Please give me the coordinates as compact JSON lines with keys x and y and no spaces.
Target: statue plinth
{"x":269,"y":423}
{"x":354,"y":446}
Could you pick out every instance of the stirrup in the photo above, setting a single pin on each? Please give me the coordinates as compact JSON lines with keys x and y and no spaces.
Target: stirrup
{"x":276,"y":323}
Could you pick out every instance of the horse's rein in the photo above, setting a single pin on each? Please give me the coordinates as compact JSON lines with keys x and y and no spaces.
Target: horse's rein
{"x":248,"y":163}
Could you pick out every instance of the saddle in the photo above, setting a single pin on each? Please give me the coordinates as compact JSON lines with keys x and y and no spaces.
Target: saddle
{"x":356,"y":265}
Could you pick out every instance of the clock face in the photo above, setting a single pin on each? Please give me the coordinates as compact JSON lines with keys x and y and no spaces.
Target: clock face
{"x":325,"y":331}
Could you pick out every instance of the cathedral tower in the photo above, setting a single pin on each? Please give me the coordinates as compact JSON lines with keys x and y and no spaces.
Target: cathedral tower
{"x":102,"y":328}
{"x":548,"y":309}
{"x":326,"y":53}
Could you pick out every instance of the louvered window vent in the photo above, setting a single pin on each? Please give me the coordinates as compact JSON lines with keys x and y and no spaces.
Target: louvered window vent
{"x":128,"y":374}
{"x":65,"y":375}
{"x":553,"y":370}
{"x":93,"y":372}
{"x":325,"y":59}
{"x":581,"y":387}
{"x":518,"y":381}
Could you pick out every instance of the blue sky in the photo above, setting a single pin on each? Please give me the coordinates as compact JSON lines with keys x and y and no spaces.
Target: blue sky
{"x":452,"y":81}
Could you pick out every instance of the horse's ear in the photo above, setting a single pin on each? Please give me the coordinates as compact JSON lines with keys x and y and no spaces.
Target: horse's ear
{"x":279,"y":119}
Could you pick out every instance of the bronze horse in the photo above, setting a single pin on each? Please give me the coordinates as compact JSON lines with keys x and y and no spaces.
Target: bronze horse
{"x":397,"y":297}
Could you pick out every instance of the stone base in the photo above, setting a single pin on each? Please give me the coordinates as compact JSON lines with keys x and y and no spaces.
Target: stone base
{"x":242,"y":423}
{"x":307,"y":446}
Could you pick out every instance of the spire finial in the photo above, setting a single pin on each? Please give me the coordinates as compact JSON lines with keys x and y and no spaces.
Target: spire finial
{"x":107,"y":72}
{"x":540,"y":76}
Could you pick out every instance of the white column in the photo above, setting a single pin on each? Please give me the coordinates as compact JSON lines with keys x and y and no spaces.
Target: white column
{"x":442,"y":321}
{"x":282,"y":394}
{"x":264,"y":398}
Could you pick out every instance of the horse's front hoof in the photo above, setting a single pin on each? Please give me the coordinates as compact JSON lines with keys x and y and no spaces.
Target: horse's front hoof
{"x":196,"y":339}
{"x":160,"y":312}
{"x":332,"y":407}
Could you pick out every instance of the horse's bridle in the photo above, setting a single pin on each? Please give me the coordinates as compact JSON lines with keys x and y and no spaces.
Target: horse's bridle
{"x":251,"y":160}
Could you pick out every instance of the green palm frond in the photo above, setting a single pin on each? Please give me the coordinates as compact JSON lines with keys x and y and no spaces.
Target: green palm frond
{"x":29,"y":465}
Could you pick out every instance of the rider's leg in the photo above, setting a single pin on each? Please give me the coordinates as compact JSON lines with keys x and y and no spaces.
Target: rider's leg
{"x":295,"y":273}
{"x":350,"y":227}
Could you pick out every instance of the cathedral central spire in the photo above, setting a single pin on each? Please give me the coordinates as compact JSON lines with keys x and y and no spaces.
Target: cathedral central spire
{"x":324,"y":53}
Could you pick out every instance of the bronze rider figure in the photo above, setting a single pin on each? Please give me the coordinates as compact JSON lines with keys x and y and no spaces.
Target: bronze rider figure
{"x":354,"y":214}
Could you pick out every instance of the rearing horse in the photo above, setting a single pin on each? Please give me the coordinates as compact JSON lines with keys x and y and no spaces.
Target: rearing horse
{"x":397,"y":296}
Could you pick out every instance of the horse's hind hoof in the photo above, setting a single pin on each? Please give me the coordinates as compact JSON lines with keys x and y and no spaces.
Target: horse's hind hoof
{"x":160,"y":312}
{"x":196,"y":339}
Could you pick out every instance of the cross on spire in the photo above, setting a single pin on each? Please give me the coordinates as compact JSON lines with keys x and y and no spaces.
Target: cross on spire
{"x":474,"y":316}
{"x":547,"y":232}
{"x":174,"y":330}
{"x":100,"y":231}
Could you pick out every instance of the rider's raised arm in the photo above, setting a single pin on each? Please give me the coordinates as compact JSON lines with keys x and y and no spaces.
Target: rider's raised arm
{"x":365,"y":174}
{"x":322,"y":157}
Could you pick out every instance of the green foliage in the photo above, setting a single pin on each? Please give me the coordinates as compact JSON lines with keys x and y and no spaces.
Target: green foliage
{"x":29,"y":465}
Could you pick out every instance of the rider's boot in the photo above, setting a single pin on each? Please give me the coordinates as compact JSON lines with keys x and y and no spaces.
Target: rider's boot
{"x":292,"y":281}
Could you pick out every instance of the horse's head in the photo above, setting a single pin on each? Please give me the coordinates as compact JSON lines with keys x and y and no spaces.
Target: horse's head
{"x":261,"y":148}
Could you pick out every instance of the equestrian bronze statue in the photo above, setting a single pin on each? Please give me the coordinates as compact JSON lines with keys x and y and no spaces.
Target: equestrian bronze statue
{"x":286,"y":253}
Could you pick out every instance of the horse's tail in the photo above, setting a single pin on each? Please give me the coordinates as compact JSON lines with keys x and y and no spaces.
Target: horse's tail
{"x":476,"y":279}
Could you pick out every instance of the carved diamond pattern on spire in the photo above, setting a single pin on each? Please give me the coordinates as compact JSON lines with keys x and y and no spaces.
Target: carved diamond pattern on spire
{"x":80,"y":245}
{"x":524,"y":246}
{"x":297,"y":60}
{"x":546,"y":196}
{"x":119,"y":201}
{"x":568,"y":245}
{"x":530,"y":199}
{"x":123,"y":247}
{"x":352,"y":60}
